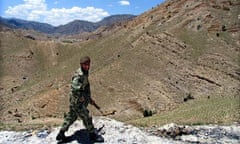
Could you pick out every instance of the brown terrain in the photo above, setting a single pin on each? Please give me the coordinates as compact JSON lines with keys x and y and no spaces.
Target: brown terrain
{"x":179,"y":50}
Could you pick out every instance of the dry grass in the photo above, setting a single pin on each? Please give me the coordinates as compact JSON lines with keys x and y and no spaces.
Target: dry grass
{"x":216,"y":110}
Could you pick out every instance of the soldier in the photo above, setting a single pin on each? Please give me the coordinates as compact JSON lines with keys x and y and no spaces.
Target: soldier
{"x":80,"y":97}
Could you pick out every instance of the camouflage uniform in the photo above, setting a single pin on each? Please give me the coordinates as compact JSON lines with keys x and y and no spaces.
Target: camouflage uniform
{"x":80,"y":97}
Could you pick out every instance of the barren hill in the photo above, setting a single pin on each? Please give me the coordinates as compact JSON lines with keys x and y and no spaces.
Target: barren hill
{"x":177,"y":51}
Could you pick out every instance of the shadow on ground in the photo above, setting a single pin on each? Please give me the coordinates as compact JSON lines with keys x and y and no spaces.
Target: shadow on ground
{"x":81,"y":136}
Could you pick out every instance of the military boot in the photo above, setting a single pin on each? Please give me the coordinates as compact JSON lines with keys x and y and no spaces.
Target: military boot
{"x":95,"y":137}
{"x":61,"y":136}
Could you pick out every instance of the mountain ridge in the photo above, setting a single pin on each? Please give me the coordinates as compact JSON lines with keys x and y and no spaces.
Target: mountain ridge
{"x":74,"y":27}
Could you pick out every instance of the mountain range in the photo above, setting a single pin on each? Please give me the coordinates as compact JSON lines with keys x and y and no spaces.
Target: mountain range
{"x":74,"y":27}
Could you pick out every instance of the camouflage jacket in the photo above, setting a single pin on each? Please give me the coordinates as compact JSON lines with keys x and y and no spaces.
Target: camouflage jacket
{"x":80,"y":88}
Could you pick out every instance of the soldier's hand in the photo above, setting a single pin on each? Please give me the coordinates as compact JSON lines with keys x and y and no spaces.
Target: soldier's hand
{"x":92,"y":102}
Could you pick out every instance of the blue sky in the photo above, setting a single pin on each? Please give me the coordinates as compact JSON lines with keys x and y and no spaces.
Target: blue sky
{"x":58,"y":12}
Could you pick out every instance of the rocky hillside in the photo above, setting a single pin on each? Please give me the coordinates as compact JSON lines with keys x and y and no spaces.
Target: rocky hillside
{"x":180,"y":54}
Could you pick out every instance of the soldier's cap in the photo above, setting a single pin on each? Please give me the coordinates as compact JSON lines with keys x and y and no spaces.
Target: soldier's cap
{"x":85,"y":59}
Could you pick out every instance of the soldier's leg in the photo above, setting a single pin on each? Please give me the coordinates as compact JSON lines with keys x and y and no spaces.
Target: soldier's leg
{"x":68,"y":121}
{"x":87,"y":119}
{"x":70,"y":118}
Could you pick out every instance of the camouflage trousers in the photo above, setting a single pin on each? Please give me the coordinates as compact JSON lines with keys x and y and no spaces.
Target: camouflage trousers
{"x":76,"y":111}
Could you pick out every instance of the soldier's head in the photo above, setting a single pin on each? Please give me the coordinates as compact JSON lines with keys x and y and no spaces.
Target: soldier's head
{"x":85,"y":63}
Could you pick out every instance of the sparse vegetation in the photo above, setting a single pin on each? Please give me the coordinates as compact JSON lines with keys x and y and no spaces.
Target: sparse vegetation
{"x":216,"y":110}
{"x":147,"y":113}
{"x":67,"y":41}
{"x":197,"y":40}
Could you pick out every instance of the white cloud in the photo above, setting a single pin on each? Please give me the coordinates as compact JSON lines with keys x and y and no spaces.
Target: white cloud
{"x":61,"y":16}
{"x":124,"y":2}
{"x":29,"y":10}
{"x":37,"y":10}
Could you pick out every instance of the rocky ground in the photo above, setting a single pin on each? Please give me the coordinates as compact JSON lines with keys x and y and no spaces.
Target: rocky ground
{"x":206,"y":134}
{"x":117,"y":132}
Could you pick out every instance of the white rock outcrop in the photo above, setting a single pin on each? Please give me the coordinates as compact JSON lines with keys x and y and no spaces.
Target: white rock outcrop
{"x":115,"y":132}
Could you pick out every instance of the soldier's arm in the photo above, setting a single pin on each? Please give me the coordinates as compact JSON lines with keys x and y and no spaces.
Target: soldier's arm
{"x":92,"y":102}
{"x":76,"y":83}
{"x":76,"y":86}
